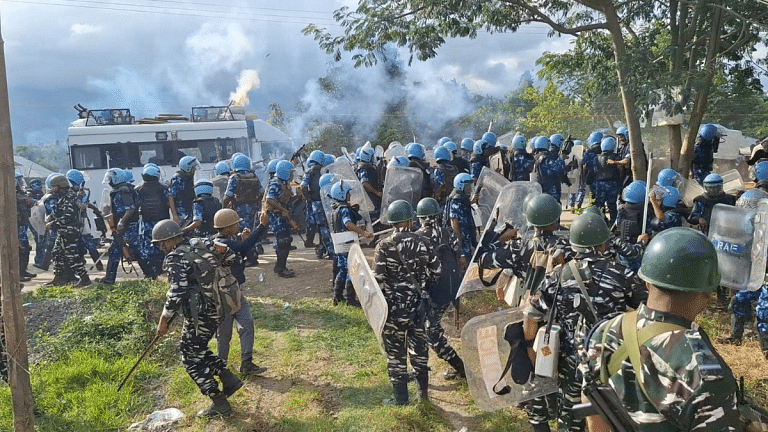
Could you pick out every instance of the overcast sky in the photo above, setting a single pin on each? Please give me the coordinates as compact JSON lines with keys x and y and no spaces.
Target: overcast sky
{"x":164,"y":56}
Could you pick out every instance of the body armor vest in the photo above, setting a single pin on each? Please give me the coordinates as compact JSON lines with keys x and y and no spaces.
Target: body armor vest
{"x":337,"y":225}
{"x":154,"y":203}
{"x":631,"y":226}
{"x":23,"y":212}
{"x":449,"y":173}
{"x":210,"y":206}
{"x":709,"y":203}
{"x":187,"y":193}
{"x":248,"y":187}
{"x":126,"y":196}
{"x":605,"y":171}
{"x":426,"y":184}
{"x":314,"y":183}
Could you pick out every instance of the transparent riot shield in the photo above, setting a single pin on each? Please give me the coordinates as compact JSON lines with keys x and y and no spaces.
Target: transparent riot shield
{"x":574,"y":175}
{"x":357,"y":196}
{"x":732,"y":182}
{"x":401,"y":183}
{"x":37,"y":218}
{"x":496,"y":163}
{"x":731,"y":231}
{"x":690,"y":190}
{"x":508,"y":210}
{"x":485,"y":353}
{"x":489,"y":185}
{"x":395,"y":149}
{"x":759,"y":250}
{"x":354,"y":199}
{"x":368,"y":292}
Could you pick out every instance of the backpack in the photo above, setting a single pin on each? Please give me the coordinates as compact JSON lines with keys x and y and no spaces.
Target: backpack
{"x":213,"y":280}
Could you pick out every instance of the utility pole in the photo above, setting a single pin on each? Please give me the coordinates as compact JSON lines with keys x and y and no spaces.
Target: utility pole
{"x":13,"y":315}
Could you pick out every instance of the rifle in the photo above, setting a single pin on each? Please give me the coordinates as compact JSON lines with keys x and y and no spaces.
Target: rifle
{"x":144,"y":354}
{"x":749,"y":413}
{"x":297,"y":154}
{"x":604,"y":401}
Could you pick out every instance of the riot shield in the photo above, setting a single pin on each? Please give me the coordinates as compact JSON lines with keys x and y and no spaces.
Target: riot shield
{"x":732,"y":182}
{"x":401,"y":183}
{"x":368,"y":292}
{"x":496,"y":163}
{"x":489,"y":185}
{"x":354,"y":199}
{"x":37,"y":218}
{"x":508,"y":210}
{"x":731,"y":231}
{"x":690,"y":190}
{"x":395,"y":149}
{"x":485,"y":352}
{"x":574,"y":175}
{"x":759,"y":250}
{"x":357,"y":196}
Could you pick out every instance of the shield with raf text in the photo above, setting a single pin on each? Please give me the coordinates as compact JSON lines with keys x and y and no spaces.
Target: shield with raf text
{"x":734,"y":231}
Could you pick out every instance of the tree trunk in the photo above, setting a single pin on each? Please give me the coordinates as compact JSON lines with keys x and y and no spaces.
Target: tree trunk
{"x":675,"y":144}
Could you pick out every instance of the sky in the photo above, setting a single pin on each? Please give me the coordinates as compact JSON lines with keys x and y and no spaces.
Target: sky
{"x":165,"y":56}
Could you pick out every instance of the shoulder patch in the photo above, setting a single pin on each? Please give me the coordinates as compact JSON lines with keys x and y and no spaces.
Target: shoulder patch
{"x":708,"y":364}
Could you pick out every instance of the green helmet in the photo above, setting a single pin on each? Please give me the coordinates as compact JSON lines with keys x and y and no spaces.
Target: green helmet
{"x":164,"y":230}
{"x":589,"y":230}
{"x":399,"y":211}
{"x":680,"y":259}
{"x":60,"y":181}
{"x":427,"y":207}
{"x":594,"y":210}
{"x":543,"y":210}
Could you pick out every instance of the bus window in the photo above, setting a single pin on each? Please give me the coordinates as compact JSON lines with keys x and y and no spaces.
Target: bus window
{"x":87,"y":157}
{"x":151,"y":153}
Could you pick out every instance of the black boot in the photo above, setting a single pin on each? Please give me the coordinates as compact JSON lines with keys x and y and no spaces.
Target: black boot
{"x":229,"y":382}
{"x":84,"y":281}
{"x":24,"y":263}
{"x":349,"y":295}
{"x":541,"y":427}
{"x":457,"y":369}
{"x":247,"y":367}
{"x":764,"y":345}
{"x":58,"y":280}
{"x":109,"y":278}
{"x":338,"y":291}
{"x":422,"y":384}
{"x":219,"y":407}
{"x":737,"y":332}
{"x":400,"y":392}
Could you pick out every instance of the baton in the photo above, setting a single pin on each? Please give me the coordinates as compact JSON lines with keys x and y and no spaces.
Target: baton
{"x":647,"y":191}
{"x":144,"y":354}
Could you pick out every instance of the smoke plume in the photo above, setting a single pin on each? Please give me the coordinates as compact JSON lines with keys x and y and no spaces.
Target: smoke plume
{"x":247,"y":81}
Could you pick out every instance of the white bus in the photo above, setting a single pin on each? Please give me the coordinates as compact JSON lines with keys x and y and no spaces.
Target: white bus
{"x":113,"y":138}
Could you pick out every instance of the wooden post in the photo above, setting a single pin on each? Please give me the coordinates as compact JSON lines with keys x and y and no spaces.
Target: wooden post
{"x":13,"y":315}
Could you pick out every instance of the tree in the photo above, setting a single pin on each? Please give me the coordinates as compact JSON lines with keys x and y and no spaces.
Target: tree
{"x":701,"y":35}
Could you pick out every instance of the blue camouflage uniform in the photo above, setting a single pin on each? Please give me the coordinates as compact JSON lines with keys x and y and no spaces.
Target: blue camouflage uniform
{"x":476,"y":165}
{"x":741,"y":309}
{"x":607,"y":186}
{"x":703,"y":158}
{"x":153,"y":207}
{"x":366,"y":173}
{"x":315,"y":215}
{"x":43,"y":253}
{"x":122,"y":199}
{"x":245,"y":188}
{"x":703,"y":205}
{"x":523,"y":166}
{"x":279,"y":190}
{"x":88,"y":242}
{"x":182,"y":189}
{"x":459,"y":208}
{"x":343,"y":213}
{"x":550,"y":173}
{"x":588,"y":168}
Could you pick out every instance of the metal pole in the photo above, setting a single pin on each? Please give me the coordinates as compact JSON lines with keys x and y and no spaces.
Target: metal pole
{"x":13,"y":315}
{"x":647,"y":191}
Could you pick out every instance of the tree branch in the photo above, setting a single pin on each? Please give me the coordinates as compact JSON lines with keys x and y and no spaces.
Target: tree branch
{"x":538,"y":16}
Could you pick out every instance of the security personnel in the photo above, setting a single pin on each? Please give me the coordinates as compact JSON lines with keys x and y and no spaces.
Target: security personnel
{"x":204,"y":208}
{"x":608,"y":178}
{"x":761,"y":176}
{"x":660,"y":363}
{"x":459,"y":212}
{"x":23,"y":203}
{"x":279,"y":198}
{"x":415,"y":153}
{"x":182,"y":188}
{"x":124,"y":222}
{"x":549,"y":169}
{"x":35,"y":191}
{"x":185,"y":296}
{"x":310,"y":189}
{"x":664,"y":214}
{"x":443,"y":242}
{"x":369,"y":177}
{"x":154,"y":203}
{"x":345,"y":218}
{"x":43,"y":253}
{"x":522,"y":161}
{"x":589,"y":167}
{"x":221,"y":180}
{"x":244,"y":191}
{"x":65,"y":219}
{"x":624,"y":151}
{"x":87,"y":242}
{"x":604,"y":290}
{"x":326,"y":247}
{"x":403,"y":263}
{"x":461,"y":164}
{"x":480,"y":153}
{"x":703,"y":204}
{"x":442,"y":175}
{"x":467,"y":148}
{"x":629,"y":219}
{"x":668,"y":177}
{"x":704,"y":149}
{"x":226,"y":221}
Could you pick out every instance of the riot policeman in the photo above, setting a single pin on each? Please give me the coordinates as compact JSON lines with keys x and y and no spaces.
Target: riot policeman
{"x":220,"y":181}
{"x":182,"y":188}
{"x":278,"y":199}
{"x":703,"y":204}
{"x":761,"y":176}
{"x":479,"y":159}
{"x":522,"y":161}
{"x":43,"y":253}
{"x":467,"y":148}
{"x":369,"y":177}
{"x":442,"y":175}
{"x":77,"y":182}
{"x":589,"y":167}
{"x":549,"y":169}
{"x":664,"y":213}
{"x":415,"y":153}
{"x":461,"y":164}
{"x":154,"y":204}
{"x":204,"y":208}
{"x":459,"y":212}
{"x":310,"y":189}
{"x":23,"y":203}
{"x":704,"y":149}
{"x":244,"y":194}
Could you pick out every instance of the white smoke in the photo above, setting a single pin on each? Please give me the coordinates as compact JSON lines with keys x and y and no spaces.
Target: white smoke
{"x":247,"y":81}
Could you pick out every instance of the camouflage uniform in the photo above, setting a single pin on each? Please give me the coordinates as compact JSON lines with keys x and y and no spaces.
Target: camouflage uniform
{"x":671,"y":219}
{"x":442,"y":179}
{"x":741,"y":311}
{"x":691,"y":388}
{"x":476,"y":165}
{"x":588,"y":168}
{"x":315,"y":216}
{"x":404,"y":329}
{"x":522,"y":162}
{"x":342,"y":284}
{"x":65,"y":219}
{"x":459,"y":208}
{"x":44,"y":248}
{"x":246,"y":189}
{"x":279,"y":190}
{"x":182,"y":189}
{"x":153,"y":207}
{"x":185,"y":289}
{"x":204,"y":207}
{"x":516,"y":254}
{"x":86,"y":239}
{"x":607,"y":186}
{"x":23,"y":204}
{"x":703,"y":158}
{"x":703,"y":205}
{"x":550,"y":173}
{"x":366,"y":172}
{"x":122,"y":199}
{"x":611,"y":289}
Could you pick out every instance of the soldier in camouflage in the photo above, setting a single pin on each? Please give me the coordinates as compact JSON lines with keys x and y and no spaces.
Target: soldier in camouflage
{"x":703,"y":204}
{"x":186,"y":297}
{"x":608,"y":177}
{"x":369,"y":177}
{"x":23,"y":203}
{"x":683,"y":384}
{"x":43,"y":253}
{"x":310,"y":189}
{"x":403,"y":263}
{"x":589,"y":167}
{"x":182,"y":188}
{"x":65,"y":219}
{"x":459,"y":216}
{"x":605,"y":289}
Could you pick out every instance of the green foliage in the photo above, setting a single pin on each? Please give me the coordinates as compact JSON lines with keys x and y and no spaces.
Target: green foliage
{"x":53,"y":156}
{"x":553,"y":112}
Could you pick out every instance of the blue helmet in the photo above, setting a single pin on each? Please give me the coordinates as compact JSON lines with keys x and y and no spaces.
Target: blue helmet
{"x":316,"y":158}
{"x":127,"y":176}
{"x":74,"y":176}
{"x":35,"y":184}
{"x":608,"y":144}
{"x":154,"y":171}
{"x":518,"y":142}
{"x":577,"y":143}
{"x":479,"y":146}
{"x":671,"y":197}
{"x":490,"y":137}
{"x":398,"y":161}
{"x":221,"y":168}
{"x":414,"y":150}
{"x":442,"y":141}
{"x":461,"y":180}
{"x":667,"y":177}
{"x":708,"y":131}
{"x":623,"y":131}
{"x":634,"y":193}
{"x":761,"y":171}
{"x":328,"y":159}
{"x":595,"y":138}
{"x":111,"y":177}
{"x":366,"y":154}
{"x":236,"y":154}
{"x":357,"y":154}
{"x":750,"y":198}
{"x":203,"y":186}
{"x":188,"y":163}
{"x":272,"y":166}
{"x":325,"y":179}
{"x":442,"y":153}
{"x":340,"y":190}
{"x":283,"y":170}
{"x":241,"y":163}
{"x":557,"y":140}
{"x":713,"y":180}
{"x":451,"y":146}
{"x":541,"y":143}
{"x":467,"y":144}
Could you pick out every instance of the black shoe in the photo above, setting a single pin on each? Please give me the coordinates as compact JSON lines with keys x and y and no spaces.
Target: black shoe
{"x":99,"y":266}
{"x":219,"y":407}
{"x":105,"y":281}
{"x":58,"y":280}
{"x":23,"y":278}
{"x":309,"y":244}
{"x":28,"y":274}
{"x":248,"y":368}
{"x":83,"y":282}
{"x":229,"y":382}
{"x":286,"y":273}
